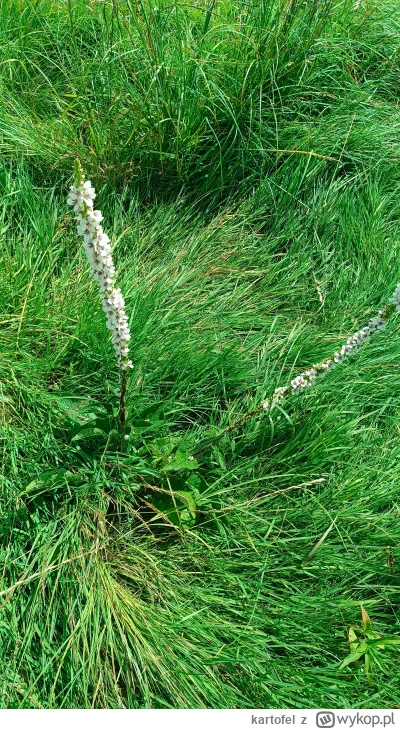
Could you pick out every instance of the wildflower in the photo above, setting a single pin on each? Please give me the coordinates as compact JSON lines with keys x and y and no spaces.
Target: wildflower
{"x":396,"y":297}
{"x":353,"y":344}
{"x":308,"y":377}
{"x":98,"y":251}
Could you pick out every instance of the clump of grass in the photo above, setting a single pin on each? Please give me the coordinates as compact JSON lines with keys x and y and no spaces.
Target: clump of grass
{"x":203,"y":98}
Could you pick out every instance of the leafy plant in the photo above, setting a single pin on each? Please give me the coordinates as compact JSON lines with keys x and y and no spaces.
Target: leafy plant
{"x":365,"y":643}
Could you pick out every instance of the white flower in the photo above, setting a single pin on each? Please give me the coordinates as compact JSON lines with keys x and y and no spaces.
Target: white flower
{"x":95,"y":215}
{"x":395,"y":299}
{"x":377,"y":323}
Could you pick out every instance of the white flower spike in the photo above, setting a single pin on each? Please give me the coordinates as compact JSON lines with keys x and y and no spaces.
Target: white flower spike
{"x":353,"y":344}
{"x":98,"y":251}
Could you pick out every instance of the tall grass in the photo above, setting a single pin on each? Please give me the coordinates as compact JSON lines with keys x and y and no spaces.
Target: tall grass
{"x":246,"y":156}
{"x":205,"y":96}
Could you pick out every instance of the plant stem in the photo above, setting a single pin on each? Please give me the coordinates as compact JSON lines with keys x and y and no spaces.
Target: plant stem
{"x":122,"y":411}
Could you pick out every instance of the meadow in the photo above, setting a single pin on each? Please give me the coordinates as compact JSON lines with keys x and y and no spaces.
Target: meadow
{"x":246,"y":158}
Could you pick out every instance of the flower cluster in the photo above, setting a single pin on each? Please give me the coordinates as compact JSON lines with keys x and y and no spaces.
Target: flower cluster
{"x":98,"y":251}
{"x":396,"y":297}
{"x":307,"y":378}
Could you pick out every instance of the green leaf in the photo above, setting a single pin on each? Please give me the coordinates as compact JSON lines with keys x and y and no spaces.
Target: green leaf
{"x":179,"y":507}
{"x":164,"y":446}
{"x":139,"y":423}
{"x":179,"y":461}
{"x":107,"y":425}
{"x":369,"y":662}
{"x":353,"y":640}
{"x":367,"y":624}
{"x":47,"y":481}
{"x":153,"y":410}
{"x":148,"y":417}
{"x":196,"y":482}
{"x":87,"y":431}
{"x":75,"y":409}
{"x":190,"y":502}
{"x":355,"y":656}
{"x":382,"y":642}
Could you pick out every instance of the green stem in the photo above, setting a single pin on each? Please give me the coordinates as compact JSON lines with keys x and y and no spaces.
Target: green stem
{"x":122,"y":411}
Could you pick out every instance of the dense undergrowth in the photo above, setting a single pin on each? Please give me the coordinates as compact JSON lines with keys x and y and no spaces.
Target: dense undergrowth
{"x":246,"y":156}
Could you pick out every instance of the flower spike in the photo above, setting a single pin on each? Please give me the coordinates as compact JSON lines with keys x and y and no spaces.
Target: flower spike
{"x":98,"y":251}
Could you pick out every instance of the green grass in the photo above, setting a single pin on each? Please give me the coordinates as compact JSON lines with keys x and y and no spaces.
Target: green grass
{"x":246,"y":157}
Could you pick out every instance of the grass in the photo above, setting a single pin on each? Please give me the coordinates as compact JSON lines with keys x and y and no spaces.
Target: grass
{"x":246,"y":157}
